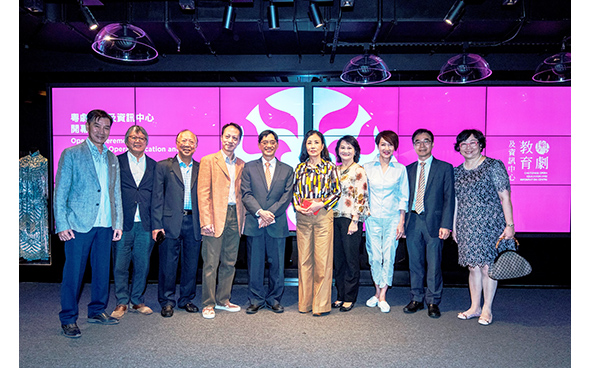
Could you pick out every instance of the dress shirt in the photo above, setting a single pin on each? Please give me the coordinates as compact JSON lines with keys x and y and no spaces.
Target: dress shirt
{"x":388,"y":191}
{"x":186,"y":172}
{"x":137,"y":168}
{"x":101,"y":165}
{"x":231,"y":165}
{"x":317,"y":181}
{"x":428,"y":163}
{"x":272,"y":166}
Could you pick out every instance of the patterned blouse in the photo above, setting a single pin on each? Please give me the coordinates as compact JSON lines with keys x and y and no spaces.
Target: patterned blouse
{"x":320,"y":181}
{"x":354,"y":196}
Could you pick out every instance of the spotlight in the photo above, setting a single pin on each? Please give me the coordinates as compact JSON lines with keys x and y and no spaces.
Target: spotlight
{"x":509,"y":2}
{"x":455,"y":13}
{"x":34,"y":6}
{"x":90,"y":20}
{"x":315,"y":15}
{"x":273,"y":16}
{"x":187,"y":4}
{"x":229,"y":16}
{"x":347,"y":3}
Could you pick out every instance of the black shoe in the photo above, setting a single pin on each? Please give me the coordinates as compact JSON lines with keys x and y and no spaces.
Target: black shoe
{"x":337,"y":304}
{"x":71,"y":330}
{"x":252,"y":309}
{"x":103,"y":319}
{"x":346,"y":309}
{"x":190,"y":307}
{"x":413,"y":306}
{"x":433,"y":311}
{"x":167,"y":311}
{"x":277,"y":308}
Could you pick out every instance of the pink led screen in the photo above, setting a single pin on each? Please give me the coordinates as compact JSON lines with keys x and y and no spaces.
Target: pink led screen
{"x":528,"y":128}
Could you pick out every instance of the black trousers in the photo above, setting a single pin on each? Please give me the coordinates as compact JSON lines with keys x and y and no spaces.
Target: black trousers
{"x":346,"y":259}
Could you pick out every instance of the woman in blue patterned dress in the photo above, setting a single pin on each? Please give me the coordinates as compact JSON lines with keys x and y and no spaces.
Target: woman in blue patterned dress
{"x":484,"y":214}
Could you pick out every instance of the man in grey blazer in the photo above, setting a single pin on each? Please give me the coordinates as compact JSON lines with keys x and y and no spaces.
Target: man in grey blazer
{"x":267,"y":185}
{"x":88,"y":216}
{"x":429,"y":222}
{"x":175,"y":214}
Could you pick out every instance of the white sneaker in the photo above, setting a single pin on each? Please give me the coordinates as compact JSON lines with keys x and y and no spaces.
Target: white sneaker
{"x":372,"y":302}
{"x":384,"y":306}
{"x":228,"y":307}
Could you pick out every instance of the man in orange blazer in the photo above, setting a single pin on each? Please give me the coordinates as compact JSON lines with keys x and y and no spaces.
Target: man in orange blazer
{"x":222,"y":220}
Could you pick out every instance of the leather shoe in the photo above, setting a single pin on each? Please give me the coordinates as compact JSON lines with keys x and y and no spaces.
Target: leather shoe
{"x":433,"y":311}
{"x":413,"y":306}
{"x":167,"y":311}
{"x":277,"y":308}
{"x":346,"y":309}
{"x":103,"y":319}
{"x":190,"y":307}
{"x":252,"y":309}
{"x":337,"y":304}
{"x":71,"y":330}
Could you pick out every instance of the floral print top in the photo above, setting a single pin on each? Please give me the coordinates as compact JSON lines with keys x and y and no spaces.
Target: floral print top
{"x":354,"y":194}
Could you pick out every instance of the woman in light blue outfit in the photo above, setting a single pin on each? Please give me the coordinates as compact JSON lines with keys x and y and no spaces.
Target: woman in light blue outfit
{"x":388,"y":200}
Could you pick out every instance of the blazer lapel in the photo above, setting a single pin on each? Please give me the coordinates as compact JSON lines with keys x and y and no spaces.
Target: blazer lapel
{"x":221,"y":162}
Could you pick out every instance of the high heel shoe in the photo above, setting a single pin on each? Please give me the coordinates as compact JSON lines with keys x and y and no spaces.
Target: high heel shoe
{"x":346,"y":309}
{"x":337,"y":304}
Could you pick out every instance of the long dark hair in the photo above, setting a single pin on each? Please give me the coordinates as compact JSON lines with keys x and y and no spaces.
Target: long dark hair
{"x":304,"y":152}
{"x":353,"y":142}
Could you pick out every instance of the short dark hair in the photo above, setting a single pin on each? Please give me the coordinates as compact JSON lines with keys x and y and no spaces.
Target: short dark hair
{"x":233,"y":125}
{"x":353,"y":142}
{"x":304,"y":152}
{"x":422,"y":131}
{"x":95,"y":115}
{"x":466,"y":133}
{"x":389,"y":136}
{"x":265,"y":133}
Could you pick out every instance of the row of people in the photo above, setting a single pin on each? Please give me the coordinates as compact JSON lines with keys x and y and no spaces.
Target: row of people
{"x":191,"y":208}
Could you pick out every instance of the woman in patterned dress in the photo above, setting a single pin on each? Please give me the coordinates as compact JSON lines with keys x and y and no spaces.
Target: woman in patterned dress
{"x":484,"y":214}
{"x":315,"y":192}
{"x":349,"y":214}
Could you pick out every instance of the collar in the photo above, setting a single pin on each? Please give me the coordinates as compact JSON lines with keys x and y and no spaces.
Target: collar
{"x":227,"y":158}
{"x":94,"y":148}
{"x":272,"y":162}
{"x":134,"y":159}
{"x":182,"y":164}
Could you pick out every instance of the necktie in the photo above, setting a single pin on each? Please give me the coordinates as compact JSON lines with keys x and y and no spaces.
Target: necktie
{"x":420,"y":206}
{"x":268,"y":175}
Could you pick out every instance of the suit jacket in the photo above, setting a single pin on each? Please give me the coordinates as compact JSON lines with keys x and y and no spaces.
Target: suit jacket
{"x":439,"y":198}
{"x":214,"y":188}
{"x":168,"y":198}
{"x":77,"y":190}
{"x":276,"y":199}
{"x":133,"y":195}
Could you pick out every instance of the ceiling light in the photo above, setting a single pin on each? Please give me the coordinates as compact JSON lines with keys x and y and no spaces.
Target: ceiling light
{"x":273,"y":16}
{"x":187,"y":4}
{"x":365,"y":69}
{"x":34,"y":6}
{"x":347,"y":3}
{"x":89,"y":18}
{"x":315,"y":15}
{"x":509,"y":2}
{"x":555,"y":69}
{"x":464,"y":68}
{"x":455,"y":13}
{"x":229,"y":17}
{"x":124,"y":42}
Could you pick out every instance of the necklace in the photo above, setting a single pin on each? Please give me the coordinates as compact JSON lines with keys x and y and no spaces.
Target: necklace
{"x":346,"y":170}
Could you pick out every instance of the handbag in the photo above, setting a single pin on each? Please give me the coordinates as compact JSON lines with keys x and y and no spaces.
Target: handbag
{"x":509,"y":264}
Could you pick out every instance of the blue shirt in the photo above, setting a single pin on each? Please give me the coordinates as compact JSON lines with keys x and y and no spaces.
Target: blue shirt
{"x":101,"y":165}
{"x":388,"y":191}
{"x":186,"y":172}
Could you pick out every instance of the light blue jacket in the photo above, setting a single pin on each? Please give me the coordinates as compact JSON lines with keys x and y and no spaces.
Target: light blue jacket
{"x":77,"y":191}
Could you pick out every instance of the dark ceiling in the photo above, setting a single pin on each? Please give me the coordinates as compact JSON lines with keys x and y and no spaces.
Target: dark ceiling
{"x":410,"y":36}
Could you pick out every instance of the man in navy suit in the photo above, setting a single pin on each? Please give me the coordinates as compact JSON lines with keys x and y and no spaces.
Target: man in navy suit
{"x":175,"y":214}
{"x":267,"y":185}
{"x":88,"y":216}
{"x":429,"y":222}
{"x":137,"y":180}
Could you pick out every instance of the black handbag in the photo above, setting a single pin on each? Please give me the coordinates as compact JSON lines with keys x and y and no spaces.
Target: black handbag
{"x":508,"y":264}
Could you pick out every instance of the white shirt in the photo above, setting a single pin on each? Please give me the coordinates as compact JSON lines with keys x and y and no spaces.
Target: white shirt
{"x":186,"y":172}
{"x":388,"y":191}
{"x":428,"y":163}
{"x":231,"y":165}
{"x":138,"y":169}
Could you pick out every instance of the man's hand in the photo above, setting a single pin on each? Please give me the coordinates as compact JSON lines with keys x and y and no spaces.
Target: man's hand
{"x":444,"y":233}
{"x":208,"y":230}
{"x":117,"y":233}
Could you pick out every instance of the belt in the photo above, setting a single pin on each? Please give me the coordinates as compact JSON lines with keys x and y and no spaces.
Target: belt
{"x":416,"y":213}
{"x":187,"y":212}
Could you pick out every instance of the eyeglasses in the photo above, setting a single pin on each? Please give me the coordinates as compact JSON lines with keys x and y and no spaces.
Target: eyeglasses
{"x":269,"y":143}
{"x":136,"y":138}
{"x":426,"y":142}
{"x":472,"y":144}
{"x":186,"y":141}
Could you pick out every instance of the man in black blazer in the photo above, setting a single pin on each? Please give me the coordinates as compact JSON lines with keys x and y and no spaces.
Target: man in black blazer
{"x":175,"y":214}
{"x":137,"y":180}
{"x":267,"y":185}
{"x":429,"y":221}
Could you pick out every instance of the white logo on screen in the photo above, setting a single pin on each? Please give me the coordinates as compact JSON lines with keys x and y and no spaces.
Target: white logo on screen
{"x":542,"y":147}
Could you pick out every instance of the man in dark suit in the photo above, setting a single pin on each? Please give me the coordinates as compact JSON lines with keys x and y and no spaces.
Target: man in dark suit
{"x":429,"y":222}
{"x":267,"y":185}
{"x":137,"y":180}
{"x":175,"y":214}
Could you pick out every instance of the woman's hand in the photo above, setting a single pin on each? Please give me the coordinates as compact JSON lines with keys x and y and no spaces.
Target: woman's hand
{"x":509,"y":232}
{"x":353,"y":227}
{"x":399,"y":230}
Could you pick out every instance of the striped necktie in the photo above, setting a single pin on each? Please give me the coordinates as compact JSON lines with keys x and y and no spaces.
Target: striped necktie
{"x":419,"y":205}
{"x":268,"y":175}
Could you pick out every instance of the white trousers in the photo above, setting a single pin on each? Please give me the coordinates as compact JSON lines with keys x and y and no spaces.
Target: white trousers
{"x":381,"y":247}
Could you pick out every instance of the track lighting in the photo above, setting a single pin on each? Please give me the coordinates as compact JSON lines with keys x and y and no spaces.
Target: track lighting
{"x":455,"y":12}
{"x":229,"y":17}
{"x":88,"y":17}
{"x":273,"y":16}
{"x":315,"y":15}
